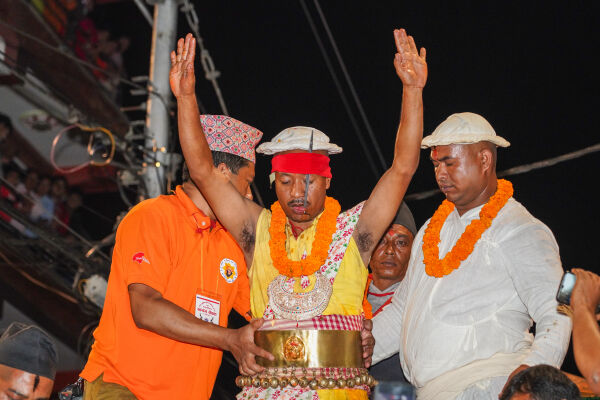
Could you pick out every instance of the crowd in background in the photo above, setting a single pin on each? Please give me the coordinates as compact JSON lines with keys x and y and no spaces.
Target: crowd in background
{"x":48,"y":202}
{"x":72,"y":22}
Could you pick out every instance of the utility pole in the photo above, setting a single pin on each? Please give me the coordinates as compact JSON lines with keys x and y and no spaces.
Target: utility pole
{"x":157,"y":111}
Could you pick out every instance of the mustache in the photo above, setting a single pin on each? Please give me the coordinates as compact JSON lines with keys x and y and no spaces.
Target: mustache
{"x":298,"y":203}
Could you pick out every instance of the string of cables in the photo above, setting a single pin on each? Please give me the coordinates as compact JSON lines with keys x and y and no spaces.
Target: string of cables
{"x":55,"y":220}
{"x":521,"y":169}
{"x":106,"y":157}
{"x":357,"y":130}
{"x":6,"y":60}
{"x":9,"y":63}
{"x":84,"y":63}
{"x":210,"y":71}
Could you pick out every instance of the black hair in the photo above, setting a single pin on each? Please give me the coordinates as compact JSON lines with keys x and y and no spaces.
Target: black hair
{"x":5,"y":120}
{"x":75,"y":190}
{"x":231,"y":161}
{"x":542,"y":382}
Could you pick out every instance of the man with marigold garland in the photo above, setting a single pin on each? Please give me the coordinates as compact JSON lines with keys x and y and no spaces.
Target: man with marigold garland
{"x":308,"y":261}
{"x":482,"y":270}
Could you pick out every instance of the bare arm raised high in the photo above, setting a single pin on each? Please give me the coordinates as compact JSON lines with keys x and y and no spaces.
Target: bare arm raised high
{"x":382,"y":205}
{"x":237,"y":213}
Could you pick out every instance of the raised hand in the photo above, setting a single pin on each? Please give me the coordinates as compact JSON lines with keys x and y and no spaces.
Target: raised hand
{"x":410,"y":64}
{"x":181,"y":76}
{"x":586,"y":293}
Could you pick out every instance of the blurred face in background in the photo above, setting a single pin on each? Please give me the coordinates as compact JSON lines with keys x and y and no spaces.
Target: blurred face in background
{"x":4,"y":131}
{"x":43,"y":188}
{"x":31,"y":181}
{"x":74,"y":200}
{"x":12,"y":177}
{"x":59,"y":188}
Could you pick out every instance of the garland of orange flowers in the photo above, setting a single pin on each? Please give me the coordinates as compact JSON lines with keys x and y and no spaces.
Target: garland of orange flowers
{"x":465,"y":244}
{"x":320,"y":248}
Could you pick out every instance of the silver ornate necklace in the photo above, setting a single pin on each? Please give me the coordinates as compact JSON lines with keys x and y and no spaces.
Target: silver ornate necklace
{"x":287,"y":304}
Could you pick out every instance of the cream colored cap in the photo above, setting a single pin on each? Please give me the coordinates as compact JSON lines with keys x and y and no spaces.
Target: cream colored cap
{"x":298,"y":138}
{"x":463,"y":128}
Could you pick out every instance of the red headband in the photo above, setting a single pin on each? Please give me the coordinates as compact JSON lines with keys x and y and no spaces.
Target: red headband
{"x":301,"y":163}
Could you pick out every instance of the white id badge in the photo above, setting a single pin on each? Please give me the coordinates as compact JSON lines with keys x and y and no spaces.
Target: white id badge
{"x":207,"y":309}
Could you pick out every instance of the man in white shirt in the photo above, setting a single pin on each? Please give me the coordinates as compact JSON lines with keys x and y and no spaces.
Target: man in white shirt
{"x":482,"y":270}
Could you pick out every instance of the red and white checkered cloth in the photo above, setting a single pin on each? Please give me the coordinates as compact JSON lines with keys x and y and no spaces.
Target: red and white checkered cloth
{"x":333,"y":322}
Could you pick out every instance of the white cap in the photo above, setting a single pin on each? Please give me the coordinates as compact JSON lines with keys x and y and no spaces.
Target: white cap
{"x":463,"y":128}
{"x":298,"y":138}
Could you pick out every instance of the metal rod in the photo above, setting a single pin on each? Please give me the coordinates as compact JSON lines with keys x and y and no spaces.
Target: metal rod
{"x":140,"y":4}
{"x":307,"y":182}
{"x":157,"y":112}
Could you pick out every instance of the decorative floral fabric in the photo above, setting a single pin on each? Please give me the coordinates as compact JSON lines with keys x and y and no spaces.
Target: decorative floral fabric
{"x":345,"y":224}
{"x":231,"y":136}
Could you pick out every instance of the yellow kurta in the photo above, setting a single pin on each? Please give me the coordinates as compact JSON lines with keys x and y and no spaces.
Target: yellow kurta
{"x":348,"y":287}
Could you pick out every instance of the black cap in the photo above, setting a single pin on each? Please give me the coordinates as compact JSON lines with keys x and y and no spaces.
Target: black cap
{"x":28,"y":348}
{"x":405,"y":218}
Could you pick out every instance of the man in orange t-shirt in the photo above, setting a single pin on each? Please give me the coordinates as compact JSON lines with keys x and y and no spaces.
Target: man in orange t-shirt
{"x":175,"y":275}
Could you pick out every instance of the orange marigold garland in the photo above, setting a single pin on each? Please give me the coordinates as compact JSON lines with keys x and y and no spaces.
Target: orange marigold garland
{"x":465,"y":244}
{"x":326,"y":227}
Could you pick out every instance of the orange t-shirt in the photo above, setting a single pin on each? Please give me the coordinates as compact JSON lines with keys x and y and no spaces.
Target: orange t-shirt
{"x":168,"y":244}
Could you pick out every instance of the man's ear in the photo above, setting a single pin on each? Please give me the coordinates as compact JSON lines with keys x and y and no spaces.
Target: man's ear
{"x":224,"y":169}
{"x":327,"y":183}
{"x":486,"y":158}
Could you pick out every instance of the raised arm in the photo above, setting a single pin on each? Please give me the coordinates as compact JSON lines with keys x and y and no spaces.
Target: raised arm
{"x":380,"y":208}
{"x":237,"y":213}
{"x":586,"y":333}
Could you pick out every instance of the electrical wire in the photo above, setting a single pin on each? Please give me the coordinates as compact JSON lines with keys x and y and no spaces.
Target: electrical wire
{"x":55,"y":94}
{"x":144,"y":11}
{"x":521,"y":169}
{"x":106,"y":161}
{"x":85,"y":338}
{"x":121,"y":191}
{"x":351,"y":85}
{"x":85,"y":63}
{"x":36,"y":281}
{"x":336,"y":81}
{"x":210,"y":71}
{"x":40,"y":233}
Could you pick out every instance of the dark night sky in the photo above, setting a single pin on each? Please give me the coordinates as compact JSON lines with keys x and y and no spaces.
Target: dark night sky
{"x":527,"y":68}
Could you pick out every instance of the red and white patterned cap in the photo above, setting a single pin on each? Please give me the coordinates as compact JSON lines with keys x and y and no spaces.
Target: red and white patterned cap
{"x":231,"y":136}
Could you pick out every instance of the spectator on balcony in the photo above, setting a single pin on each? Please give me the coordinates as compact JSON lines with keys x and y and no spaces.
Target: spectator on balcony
{"x":8,"y":185}
{"x":67,"y":211}
{"x":5,"y":130}
{"x":28,"y":186}
{"x":43,"y":204}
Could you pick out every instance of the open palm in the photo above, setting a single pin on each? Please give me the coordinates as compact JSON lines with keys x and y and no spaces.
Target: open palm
{"x":410,"y":64}
{"x":181,"y":76}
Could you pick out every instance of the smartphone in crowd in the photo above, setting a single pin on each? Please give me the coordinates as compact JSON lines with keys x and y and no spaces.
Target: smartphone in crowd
{"x":394,"y":391}
{"x":567,"y":283}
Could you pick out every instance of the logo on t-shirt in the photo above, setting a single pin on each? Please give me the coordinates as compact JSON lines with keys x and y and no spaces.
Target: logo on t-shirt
{"x":229,"y":270}
{"x":139,"y":258}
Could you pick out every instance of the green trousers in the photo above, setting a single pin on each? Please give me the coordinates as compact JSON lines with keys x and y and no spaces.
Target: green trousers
{"x":100,"y":390}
